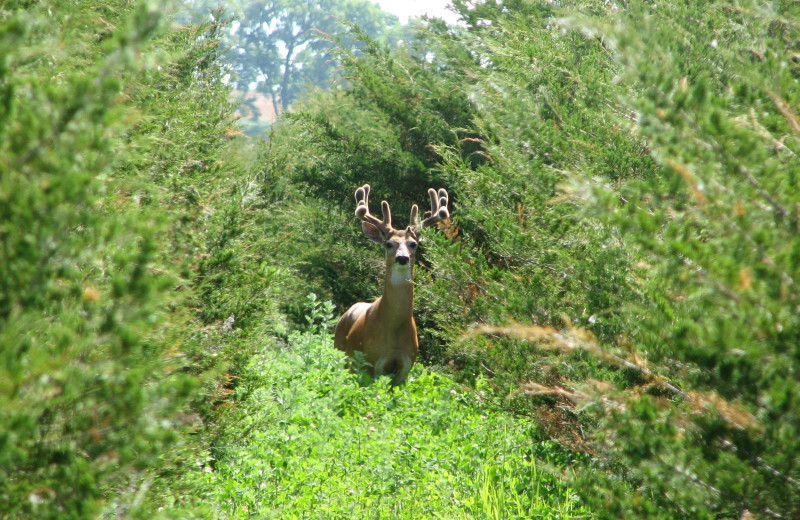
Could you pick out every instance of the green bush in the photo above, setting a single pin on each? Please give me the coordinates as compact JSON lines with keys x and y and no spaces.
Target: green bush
{"x":624,"y":236}
{"x":715,"y":234}
{"x":111,"y":133}
{"x":622,"y":176}
{"x":513,"y":252}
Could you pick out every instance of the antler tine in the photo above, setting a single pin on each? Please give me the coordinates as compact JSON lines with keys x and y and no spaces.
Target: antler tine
{"x":386,"y":213}
{"x":362,"y":211}
{"x":439,"y":211}
{"x":413,"y":223}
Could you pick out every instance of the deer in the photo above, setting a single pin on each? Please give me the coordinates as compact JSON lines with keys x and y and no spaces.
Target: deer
{"x":384,"y":331}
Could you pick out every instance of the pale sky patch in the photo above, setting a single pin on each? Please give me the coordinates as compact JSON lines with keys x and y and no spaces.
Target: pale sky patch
{"x":404,"y":9}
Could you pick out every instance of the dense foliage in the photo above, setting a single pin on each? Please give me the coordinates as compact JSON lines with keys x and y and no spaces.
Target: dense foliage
{"x":112,"y":127}
{"x":308,"y":441}
{"x":613,"y":301}
{"x":624,"y":200}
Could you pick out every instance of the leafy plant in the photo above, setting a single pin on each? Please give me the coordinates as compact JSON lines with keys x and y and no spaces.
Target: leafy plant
{"x":622,"y":176}
{"x":307,"y":441}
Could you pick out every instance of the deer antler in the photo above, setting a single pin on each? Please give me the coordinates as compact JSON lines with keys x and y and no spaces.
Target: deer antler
{"x":362,"y":211}
{"x":438,"y":209}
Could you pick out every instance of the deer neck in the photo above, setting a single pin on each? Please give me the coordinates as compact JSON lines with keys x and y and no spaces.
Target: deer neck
{"x":397,"y":302}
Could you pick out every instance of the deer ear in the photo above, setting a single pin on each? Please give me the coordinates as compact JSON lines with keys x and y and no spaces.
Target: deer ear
{"x":372,"y":232}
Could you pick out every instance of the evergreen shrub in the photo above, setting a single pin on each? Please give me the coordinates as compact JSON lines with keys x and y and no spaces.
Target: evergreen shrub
{"x":113,"y":124}
{"x":623,"y":183}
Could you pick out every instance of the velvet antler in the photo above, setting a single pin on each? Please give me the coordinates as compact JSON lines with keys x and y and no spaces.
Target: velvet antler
{"x":362,"y":211}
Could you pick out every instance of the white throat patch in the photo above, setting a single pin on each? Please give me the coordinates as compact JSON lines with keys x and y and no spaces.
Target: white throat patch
{"x":401,"y":274}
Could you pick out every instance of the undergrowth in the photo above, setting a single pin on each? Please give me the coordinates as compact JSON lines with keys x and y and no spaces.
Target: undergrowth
{"x":305,"y":438}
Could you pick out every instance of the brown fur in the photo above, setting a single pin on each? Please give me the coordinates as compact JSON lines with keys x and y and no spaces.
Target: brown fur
{"x":384,"y":330}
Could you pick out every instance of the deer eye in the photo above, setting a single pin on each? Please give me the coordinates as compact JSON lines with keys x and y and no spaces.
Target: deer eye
{"x":389,"y":245}
{"x":412,"y":245}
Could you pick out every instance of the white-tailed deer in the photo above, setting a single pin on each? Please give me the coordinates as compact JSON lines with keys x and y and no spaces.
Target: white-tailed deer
{"x":384,"y":330}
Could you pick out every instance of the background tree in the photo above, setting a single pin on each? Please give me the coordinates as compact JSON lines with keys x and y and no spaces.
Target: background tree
{"x":280,"y":47}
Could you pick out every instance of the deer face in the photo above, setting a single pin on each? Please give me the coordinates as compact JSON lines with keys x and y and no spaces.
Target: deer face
{"x":400,"y":246}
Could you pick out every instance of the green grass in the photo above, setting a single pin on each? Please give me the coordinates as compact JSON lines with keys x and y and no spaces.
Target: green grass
{"x":307,"y":439}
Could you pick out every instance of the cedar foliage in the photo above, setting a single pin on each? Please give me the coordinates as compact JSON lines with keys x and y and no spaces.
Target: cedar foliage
{"x":112,"y":127}
{"x":623,"y":178}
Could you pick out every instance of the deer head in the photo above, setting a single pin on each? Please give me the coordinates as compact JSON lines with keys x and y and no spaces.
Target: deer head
{"x":400,"y":245}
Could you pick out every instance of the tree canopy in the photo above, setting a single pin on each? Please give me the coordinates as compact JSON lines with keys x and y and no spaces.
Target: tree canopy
{"x":283,"y":47}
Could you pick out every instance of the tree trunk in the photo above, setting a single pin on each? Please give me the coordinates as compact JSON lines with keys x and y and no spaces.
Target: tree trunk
{"x":272,"y":96}
{"x":287,"y":72}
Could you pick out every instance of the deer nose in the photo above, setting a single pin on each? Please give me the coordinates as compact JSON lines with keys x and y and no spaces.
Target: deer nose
{"x":402,"y":260}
